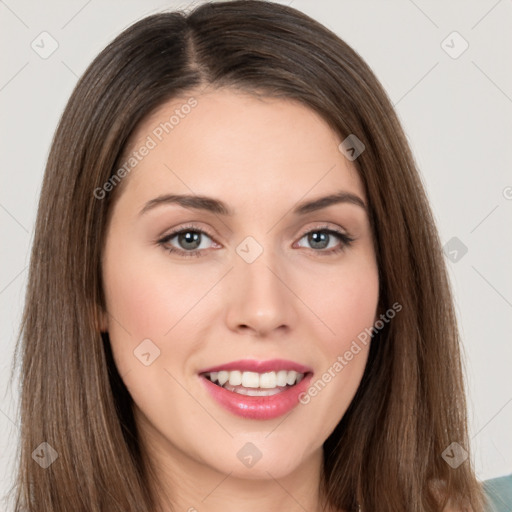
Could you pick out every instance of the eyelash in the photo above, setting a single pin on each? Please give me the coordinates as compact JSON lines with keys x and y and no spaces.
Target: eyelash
{"x":346,"y":241}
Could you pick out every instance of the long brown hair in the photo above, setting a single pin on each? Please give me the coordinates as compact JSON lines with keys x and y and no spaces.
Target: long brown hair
{"x":386,"y":453}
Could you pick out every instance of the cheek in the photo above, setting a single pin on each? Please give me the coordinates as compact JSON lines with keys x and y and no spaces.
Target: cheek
{"x":347,"y":309}
{"x":357,"y":303}
{"x":144,"y":301}
{"x":147,"y":309}
{"x":346,"y":303}
{"x":348,"y":312}
{"x":135,"y":305}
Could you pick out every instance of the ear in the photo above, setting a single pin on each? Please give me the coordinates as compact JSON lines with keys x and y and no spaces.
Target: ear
{"x":101,"y":319}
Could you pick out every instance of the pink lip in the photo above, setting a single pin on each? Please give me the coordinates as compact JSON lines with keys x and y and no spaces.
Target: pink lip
{"x":258,"y":407}
{"x":251,"y":365}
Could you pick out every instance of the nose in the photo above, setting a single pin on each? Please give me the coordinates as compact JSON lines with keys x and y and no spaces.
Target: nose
{"x":260,"y":299}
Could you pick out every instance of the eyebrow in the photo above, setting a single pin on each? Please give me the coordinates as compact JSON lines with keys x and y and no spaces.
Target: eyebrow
{"x":218,"y":207}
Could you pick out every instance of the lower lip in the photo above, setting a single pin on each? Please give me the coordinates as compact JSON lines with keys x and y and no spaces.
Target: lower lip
{"x":258,"y":407}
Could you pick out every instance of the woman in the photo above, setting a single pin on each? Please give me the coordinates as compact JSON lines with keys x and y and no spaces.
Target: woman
{"x":307,"y":357}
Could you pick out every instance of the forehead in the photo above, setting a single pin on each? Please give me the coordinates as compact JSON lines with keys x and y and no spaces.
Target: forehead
{"x":200,"y":143}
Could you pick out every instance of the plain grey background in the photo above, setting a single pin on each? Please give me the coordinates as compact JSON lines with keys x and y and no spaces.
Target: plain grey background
{"x":446,"y":67}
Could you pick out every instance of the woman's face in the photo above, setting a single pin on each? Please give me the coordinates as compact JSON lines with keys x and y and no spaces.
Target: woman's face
{"x":268,"y":281}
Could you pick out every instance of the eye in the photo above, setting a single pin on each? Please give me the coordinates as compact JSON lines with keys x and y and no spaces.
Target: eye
{"x":324,"y":238}
{"x":192,"y":241}
{"x":188,"y":241}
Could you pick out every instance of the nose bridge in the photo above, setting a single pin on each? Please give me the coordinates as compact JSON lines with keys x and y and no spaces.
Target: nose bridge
{"x":260,"y":300}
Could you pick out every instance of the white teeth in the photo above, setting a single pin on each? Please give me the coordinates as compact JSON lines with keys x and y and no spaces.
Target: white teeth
{"x":250,"y":380}
{"x":292,"y":377}
{"x":253,"y":380}
{"x":282,"y":377}
{"x":222,"y":378}
{"x":268,"y":380}
{"x":235,"y":378}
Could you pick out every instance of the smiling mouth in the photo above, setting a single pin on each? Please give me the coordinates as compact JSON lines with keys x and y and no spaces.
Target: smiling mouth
{"x":255,"y":384}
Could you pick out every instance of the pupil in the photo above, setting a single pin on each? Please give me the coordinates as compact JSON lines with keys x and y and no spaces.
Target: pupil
{"x":190,"y":237}
{"x":318,"y":240}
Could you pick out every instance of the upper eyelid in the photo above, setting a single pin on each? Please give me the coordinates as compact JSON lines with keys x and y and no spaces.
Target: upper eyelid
{"x":324,"y":227}
{"x":182,"y":229}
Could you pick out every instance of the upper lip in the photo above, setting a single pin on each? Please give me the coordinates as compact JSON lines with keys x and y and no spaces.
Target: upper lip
{"x":252,"y":365}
